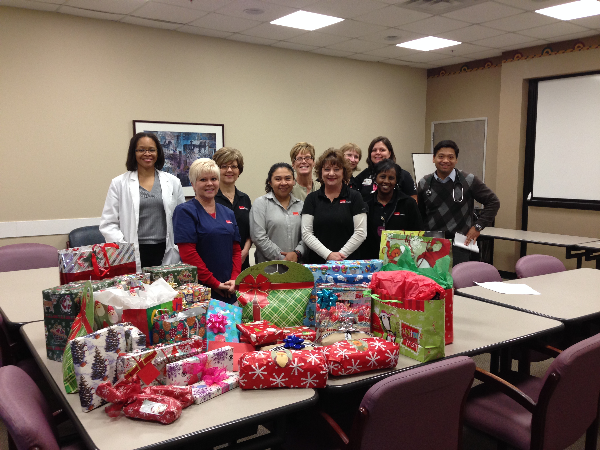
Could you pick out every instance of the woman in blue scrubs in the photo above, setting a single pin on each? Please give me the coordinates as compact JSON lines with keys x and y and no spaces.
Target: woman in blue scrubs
{"x":207,"y":234}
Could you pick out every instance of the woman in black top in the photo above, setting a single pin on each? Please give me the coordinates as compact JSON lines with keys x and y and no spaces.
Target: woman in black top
{"x":389,"y":209}
{"x":381,"y":148}
{"x":231,"y":163}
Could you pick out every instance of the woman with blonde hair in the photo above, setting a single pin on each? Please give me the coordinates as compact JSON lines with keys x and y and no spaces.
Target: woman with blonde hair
{"x":231,"y":164}
{"x":353,"y":155}
{"x":207,"y":234}
{"x":303,"y":160}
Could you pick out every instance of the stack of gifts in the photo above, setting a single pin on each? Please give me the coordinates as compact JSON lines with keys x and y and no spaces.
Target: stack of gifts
{"x":96,"y":262}
{"x":192,"y":293}
{"x":174,"y":274}
{"x":178,"y":326}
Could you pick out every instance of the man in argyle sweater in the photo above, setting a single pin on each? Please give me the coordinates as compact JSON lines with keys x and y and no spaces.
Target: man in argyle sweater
{"x":446,"y":199}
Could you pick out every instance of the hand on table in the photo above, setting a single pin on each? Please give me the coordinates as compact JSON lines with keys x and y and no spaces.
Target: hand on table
{"x":472,"y":235}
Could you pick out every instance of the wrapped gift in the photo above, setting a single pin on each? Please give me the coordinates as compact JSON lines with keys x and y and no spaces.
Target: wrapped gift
{"x":180,"y":325}
{"x":261,"y":332}
{"x":95,"y":360}
{"x":221,"y":321}
{"x":61,"y":305}
{"x":306,"y":333}
{"x":346,"y":332}
{"x":190,"y":370}
{"x":280,"y":298}
{"x":360,"y":355}
{"x":132,"y":280}
{"x":283,"y":368}
{"x":351,"y":279}
{"x":332,"y":311}
{"x":178,"y":274}
{"x":348,"y":267}
{"x":409,"y":309}
{"x":96,"y":262}
{"x":193,"y":293}
{"x":151,"y":364}
{"x":207,"y":389}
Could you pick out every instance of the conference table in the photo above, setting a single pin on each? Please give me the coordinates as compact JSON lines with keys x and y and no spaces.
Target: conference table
{"x":591,"y":251}
{"x":572,"y":244}
{"x":223,"y":419}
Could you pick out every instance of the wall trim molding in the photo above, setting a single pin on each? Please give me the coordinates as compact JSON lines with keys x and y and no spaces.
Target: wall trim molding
{"x":44,"y":227}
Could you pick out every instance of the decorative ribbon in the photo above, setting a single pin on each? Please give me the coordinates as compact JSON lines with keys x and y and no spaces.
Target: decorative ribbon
{"x":294,"y":342}
{"x":193,"y":369}
{"x":214,"y":375}
{"x":216,"y":323}
{"x":326,"y":299}
{"x":102,"y":248}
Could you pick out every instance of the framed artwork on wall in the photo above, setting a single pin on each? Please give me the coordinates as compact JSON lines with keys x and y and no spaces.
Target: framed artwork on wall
{"x":183,"y":143}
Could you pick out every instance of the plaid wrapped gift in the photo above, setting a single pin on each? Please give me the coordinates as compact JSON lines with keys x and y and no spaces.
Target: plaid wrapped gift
{"x":203,"y":392}
{"x":180,"y":325}
{"x":151,"y":364}
{"x":190,"y":370}
{"x":96,"y":262}
{"x":283,"y":368}
{"x":280,"y":298}
{"x":360,"y":355}
{"x":193,"y":292}
{"x":177,"y":274}
{"x":261,"y":332}
{"x":221,"y":321}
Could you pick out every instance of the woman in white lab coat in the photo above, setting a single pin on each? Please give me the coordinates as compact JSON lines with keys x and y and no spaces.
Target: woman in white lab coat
{"x":139,"y":204}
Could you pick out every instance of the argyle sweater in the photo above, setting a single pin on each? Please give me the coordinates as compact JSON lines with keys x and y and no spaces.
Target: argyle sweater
{"x":441,"y":213}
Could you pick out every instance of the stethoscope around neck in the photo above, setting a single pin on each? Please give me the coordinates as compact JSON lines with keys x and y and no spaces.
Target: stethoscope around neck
{"x":457,"y":185}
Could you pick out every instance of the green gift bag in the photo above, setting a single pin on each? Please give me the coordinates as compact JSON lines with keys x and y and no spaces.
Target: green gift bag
{"x":278,"y":296}
{"x":409,"y":309}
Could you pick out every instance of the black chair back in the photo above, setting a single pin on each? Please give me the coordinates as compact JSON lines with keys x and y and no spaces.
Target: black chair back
{"x":85,"y":236}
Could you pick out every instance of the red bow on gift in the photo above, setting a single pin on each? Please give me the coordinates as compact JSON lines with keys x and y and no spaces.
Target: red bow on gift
{"x":214,"y":375}
{"x":102,"y":248}
{"x":254,"y":288}
{"x":216,"y":323}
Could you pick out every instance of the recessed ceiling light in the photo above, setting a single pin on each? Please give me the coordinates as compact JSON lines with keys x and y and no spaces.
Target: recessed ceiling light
{"x":306,"y":20}
{"x":254,"y":11}
{"x":428,"y":43}
{"x":573,"y":10}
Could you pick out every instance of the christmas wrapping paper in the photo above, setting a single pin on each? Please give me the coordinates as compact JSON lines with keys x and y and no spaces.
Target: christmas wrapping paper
{"x":151,"y":364}
{"x":61,"y":305}
{"x":178,"y":274}
{"x":283,"y":368}
{"x":221,"y":321}
{"x":360,"y":355}
{"x":96,"y":262}
{"x":280,"y":298}
{"x":306,"y":333}
{"x":331,"y":316}
{"x":94,"y":361}
{"x":190,"y":370}
{"x":180,"y":325}
{"x":344,"y":268}
{"x":261,"y":332}
{"x":203,"y":392}
{"x":193,"y":292}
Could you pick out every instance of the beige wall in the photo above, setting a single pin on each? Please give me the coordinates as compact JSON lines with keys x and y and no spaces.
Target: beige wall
{"x":500,"y":94}
{"x":70,"y":88}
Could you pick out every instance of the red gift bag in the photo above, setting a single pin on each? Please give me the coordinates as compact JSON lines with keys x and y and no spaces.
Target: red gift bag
{"x":96,"y":262}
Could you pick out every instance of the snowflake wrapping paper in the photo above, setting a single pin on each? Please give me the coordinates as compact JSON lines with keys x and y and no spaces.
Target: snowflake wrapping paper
{"x":95,"y":360}
{"x":261,"y":332}
{"x":360,"y":355}
{"x":202,"y":392}
{"x":187,"y":371}
{"x":233,"y":316}
{"x":151,"y":364}
{"x":283,"y":368}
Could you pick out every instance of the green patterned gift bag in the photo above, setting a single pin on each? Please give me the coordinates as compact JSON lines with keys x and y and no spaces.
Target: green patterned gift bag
{"x":279,"y":296}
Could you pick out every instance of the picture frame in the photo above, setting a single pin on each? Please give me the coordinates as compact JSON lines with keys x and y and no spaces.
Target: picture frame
{"x":183,"y":143}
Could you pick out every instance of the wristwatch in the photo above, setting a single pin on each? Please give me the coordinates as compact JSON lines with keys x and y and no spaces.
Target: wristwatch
{"x":298,"y":254}
{"x":478,"y":227}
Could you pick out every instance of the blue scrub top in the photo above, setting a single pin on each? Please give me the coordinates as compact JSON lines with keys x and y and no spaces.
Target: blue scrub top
{"x":214,"y":238}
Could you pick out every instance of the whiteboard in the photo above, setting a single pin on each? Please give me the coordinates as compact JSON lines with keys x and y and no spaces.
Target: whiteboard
{"x":423,"y":165}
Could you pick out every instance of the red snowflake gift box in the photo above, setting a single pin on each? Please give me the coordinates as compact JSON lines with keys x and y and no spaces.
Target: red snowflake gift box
{"x":260,"y":332}
{"x":283,"y":368}
{"x":360,"y":355}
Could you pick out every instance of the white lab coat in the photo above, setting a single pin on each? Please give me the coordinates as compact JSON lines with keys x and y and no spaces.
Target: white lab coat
{"x":121,"y":213}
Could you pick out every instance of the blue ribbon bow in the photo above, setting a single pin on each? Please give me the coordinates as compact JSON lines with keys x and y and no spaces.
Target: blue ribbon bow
{"x":294,"y":342}
{"x":326,"y":299}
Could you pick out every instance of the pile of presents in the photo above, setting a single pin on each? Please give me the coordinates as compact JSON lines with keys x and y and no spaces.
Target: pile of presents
{"x":152,"y":343}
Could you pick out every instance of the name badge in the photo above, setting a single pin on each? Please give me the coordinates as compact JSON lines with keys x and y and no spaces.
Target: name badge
{"x":367,"y":181}
{"x":228,"y":221}
{"x":295,"y":213}
{"x":345,"y":201}
{"x":243,"y":207}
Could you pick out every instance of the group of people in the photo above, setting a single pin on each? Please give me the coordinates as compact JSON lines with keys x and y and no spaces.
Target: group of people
{"x":313,"y":211}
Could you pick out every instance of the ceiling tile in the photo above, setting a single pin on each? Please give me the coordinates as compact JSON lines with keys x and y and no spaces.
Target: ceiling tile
{"x":521,"y":22}
{"x":293,"y":46}
{"x":462,"y":50}
{"x":220,"y":22}
{"x":568,"y":37}
{"x":110,"y":6}
{"x":423,"y":57}
{"x":392,"y":36}
{"x":422,"y":65}
{"x":396,"y":62}
{"x":202,"y":5}
{"x":204,"y":31}
{"x":162,"y":11}
{"x":391,"y":51}
{"x":317,"y":39}
{"x":393,"y":16}
{"x":554,"y":30}
{"x":504,"y":40}
{"x":299,"y":4}
{"x":532,"y":5}
{"x":251,"y":39}
{"x":275,"y":32}
{"x":364,"y":57}
{"x":28,"y":4}
{"x":469,"y":34}
{"x":56,"y":2}
{"x":346,"y":9}
{"x":452,"y":61}
{"x":352,"y":28}
{"x":356,"y":45}
{"x":483,"y":12}
{"x":91,"y":14}
{"x":332,"y":52}
{"x":527,"y":45}
{"x":271,"y":10}
{"x":150,"y":23}
{"x":588,"y":22}
{"x":491,"y":53}
{"x":434,"y":25}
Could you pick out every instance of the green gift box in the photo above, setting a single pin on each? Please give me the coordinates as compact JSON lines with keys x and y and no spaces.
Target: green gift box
{"x":179,"y":274}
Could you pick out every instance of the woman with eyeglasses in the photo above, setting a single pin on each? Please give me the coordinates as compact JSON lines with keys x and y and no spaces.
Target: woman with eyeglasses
{"x":140,"y":203}
{"x":231,"y":164}
{"x":303,"y":160}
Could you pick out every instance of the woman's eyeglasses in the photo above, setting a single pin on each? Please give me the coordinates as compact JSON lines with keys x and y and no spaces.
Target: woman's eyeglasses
{"x":145,"y":150}
{"x":304,"y":159}
{"x":232,"y":167}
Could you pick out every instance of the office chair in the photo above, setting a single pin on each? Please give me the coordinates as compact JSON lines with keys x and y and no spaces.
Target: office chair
{"x":85,"y":236}
{"x":467,"y":273}
{"x":27,"y":256}
{"x":534,"y":265}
